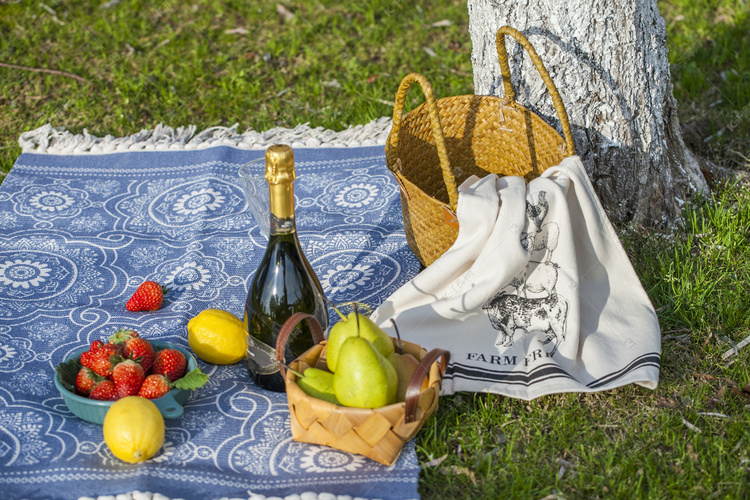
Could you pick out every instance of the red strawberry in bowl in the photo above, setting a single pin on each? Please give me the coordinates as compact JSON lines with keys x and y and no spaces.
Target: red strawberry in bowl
{"x":135,"y":347}
{"x":128,"y":377}
{"x":147,"y":297}
{"x":100,"y":359}
{"x":155,"y":386}
{"x":169,"y":362}
{"x":104,"y":391}
{"x":86,"y":380}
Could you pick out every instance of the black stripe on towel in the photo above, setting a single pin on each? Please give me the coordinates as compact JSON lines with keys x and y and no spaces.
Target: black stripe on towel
{"x":544,"y":372}
{"x":650,"y":359}
{"x":457,"y":370}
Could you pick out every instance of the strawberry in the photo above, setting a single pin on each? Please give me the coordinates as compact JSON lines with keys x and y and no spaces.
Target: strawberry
{"x":148,"y":297}
{"x":155,"y":386}
{"x":86,"y":380}
{"x":104,"y":391}
{"x":170,"y":363}
{"x":87,"y":358}
{"x":142,"y":351}
{"x":135,"y":346}
{"x":99,"y":360}
{"x":128,"y":377}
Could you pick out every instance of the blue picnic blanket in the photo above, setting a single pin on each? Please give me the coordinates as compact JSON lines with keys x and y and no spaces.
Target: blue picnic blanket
{"x":79,"y":233}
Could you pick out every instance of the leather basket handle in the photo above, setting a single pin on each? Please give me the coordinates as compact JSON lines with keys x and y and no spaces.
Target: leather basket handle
{"x":415,"y":382}
{"x":288,"y":327}
{"x":502,"y":55}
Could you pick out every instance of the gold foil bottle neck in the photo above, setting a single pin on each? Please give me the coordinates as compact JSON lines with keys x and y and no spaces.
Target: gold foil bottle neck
{"x":280,"y":164}
{"x":280,"y":176}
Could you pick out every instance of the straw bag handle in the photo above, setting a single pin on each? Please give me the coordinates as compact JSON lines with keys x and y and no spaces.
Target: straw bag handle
{"x":437,"y":129}
{"x":415,"y":382}
{"x":502,"y":55}
{"x":288,"y":327}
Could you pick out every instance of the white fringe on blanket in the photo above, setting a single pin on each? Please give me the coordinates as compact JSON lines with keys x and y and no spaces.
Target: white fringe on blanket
{"x":138,"y":495}
{"x":53,"y":140}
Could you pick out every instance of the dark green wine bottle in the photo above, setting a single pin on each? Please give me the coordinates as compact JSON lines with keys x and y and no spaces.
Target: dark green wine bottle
{"x":283,"y":284}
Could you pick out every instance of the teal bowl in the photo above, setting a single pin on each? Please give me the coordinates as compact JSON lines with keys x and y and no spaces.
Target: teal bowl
{"x":170,"y":405}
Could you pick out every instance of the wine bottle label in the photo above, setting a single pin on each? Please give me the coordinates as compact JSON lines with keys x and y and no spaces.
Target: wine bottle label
{"x":261,"y":358}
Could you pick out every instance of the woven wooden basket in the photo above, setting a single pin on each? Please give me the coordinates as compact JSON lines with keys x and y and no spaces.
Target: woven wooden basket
{"x":377,"y":433}
{"x":435,"y":147}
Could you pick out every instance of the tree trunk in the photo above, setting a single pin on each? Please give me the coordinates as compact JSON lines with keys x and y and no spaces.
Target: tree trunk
{"x":609,"y":63}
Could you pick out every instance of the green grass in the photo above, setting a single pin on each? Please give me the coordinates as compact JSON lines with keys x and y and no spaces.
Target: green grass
{"x":180,"y":64}
{"x":709,"y":48}
{"x":335,"y":65}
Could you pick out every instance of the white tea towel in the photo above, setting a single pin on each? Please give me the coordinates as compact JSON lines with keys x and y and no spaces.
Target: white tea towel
{"x":535,"y":297}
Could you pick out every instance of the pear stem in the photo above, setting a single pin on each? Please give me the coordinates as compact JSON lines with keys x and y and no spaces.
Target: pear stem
{"x":356,"y":316}
{"x":334,"y":308}
{"x":398,"y":336}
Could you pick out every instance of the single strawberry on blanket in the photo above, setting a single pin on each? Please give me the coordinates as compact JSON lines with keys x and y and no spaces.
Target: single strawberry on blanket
{"x":148,"y":297}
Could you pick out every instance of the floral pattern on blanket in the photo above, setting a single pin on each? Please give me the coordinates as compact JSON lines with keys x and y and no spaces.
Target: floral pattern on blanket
{"x":79,"y":234}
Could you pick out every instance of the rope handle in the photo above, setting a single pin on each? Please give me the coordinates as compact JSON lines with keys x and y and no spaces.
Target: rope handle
{"x":437,"y":129}
{"x":288,"y":327}
{"x":415,"y":382}
{"x":502,"y":55}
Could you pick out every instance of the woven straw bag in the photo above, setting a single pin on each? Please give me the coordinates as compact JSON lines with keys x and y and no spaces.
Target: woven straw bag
{"x":435,"y":147}
{"x":377,"y":433}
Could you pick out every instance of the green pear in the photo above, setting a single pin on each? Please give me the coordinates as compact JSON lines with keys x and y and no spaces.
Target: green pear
{"x":404,"y":364}
{"x":350,"y":326}
{"x":318,"y":383}
{"x":364,"y":378}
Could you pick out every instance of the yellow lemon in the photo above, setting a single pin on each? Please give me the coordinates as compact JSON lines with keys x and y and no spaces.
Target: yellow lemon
{"x":217,"y":337}
{"x":133,"y":429}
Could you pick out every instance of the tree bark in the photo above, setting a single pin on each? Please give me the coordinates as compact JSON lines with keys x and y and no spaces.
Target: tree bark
{"x":609,"y":63}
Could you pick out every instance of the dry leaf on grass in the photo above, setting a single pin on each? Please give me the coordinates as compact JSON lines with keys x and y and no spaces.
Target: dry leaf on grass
{"x":704,"y":376}
{"x":691,"y":426}
{"x":736,"y":348}
{"x":667,"y":403}
{"x":284,"y":13}
{"x":561,"y":472}
{"x":711,"y":414}
{"x":734,"y":387}
{"x":454,"y":469}
{"x":736,"y":391}
{"x":435,"y":461}
{"x":442,"y":24}
{"x":236,"y":31}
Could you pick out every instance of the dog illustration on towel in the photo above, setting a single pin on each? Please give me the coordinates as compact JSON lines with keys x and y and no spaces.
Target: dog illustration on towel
{"x":535,"y":305}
